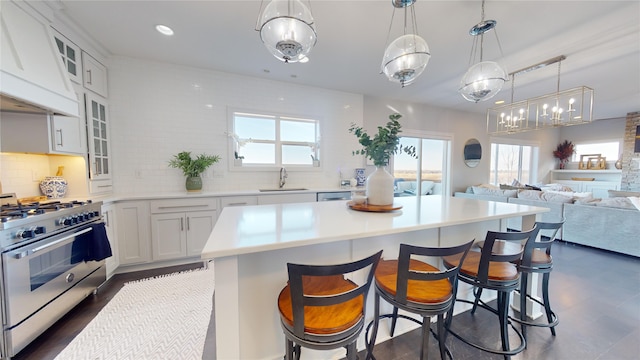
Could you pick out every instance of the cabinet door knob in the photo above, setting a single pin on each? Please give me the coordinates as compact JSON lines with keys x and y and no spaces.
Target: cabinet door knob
{"x":89,"y":74}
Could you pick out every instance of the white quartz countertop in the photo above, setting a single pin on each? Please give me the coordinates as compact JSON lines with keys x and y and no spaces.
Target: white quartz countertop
{"x":206,"y":194}
{"x":251,"y":229}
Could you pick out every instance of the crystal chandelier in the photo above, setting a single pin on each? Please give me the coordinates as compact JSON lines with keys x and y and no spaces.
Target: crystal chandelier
{"x":560,"y":108}
{"x":287,"y":30}
{"x":485,"y":79}
{"x":407,"y":56}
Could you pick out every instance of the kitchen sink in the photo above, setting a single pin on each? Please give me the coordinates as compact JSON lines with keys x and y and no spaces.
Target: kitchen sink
{"x":284,"y":189}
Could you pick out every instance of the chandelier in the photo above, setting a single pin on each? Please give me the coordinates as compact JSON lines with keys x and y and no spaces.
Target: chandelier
{"x":485,"y":79}
{"x":407,"y":56}
{"x":560,"y":108}
{"x":287,"y":30}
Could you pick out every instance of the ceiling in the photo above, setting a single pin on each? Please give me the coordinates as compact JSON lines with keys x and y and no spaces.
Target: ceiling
{"x":601,"y":40}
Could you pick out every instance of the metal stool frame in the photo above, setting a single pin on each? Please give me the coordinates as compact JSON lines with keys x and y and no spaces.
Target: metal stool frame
{"x":296,"y":336}
{"x":424,"y":309}
{"x":481,"y":280}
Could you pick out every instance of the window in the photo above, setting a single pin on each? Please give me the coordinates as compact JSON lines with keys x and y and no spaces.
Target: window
{"x":609,"y":150}
{"x":263,"y":140}
{"x":428,"y":169}
{"x":509,"y":162}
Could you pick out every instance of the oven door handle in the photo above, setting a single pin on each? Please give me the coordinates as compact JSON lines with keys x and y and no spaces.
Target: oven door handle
{"x":53,"y":243}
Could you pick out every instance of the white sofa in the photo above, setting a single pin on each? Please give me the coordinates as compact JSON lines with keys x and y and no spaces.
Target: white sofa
{"x":607,"y":224}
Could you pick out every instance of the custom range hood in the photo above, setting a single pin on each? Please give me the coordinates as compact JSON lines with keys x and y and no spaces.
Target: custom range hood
{"x":32,"y":74}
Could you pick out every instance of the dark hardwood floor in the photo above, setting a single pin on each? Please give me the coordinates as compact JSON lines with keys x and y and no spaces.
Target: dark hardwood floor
{"x":595,"y":293}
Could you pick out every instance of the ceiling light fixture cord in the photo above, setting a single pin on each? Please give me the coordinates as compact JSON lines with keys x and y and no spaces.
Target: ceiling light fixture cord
{"x":257,"y":28}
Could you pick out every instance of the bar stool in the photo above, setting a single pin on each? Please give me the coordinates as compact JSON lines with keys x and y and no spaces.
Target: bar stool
{"x":493,"y":271}
{"x":321,"y":309}
{"x":537,"y":259}
{"x":419,"y":288}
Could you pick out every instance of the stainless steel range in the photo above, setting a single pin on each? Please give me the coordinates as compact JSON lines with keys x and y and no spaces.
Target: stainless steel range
{"x":45,"y":267}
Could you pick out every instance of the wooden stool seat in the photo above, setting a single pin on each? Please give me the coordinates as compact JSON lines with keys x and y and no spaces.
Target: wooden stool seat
{"x":540,"y":257}
{"x":323,"y":320}
{"x":437,"y":292}
{"x":505,"y":248}
{"x":498,"y":271}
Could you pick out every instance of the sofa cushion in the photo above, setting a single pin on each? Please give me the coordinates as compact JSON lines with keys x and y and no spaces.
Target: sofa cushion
{"x":615,"y":202}
{"x":618,"y":193}
{"x":545,"y":196}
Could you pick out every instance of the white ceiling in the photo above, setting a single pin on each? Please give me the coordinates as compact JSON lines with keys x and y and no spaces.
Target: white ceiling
{"x":601,"y":40}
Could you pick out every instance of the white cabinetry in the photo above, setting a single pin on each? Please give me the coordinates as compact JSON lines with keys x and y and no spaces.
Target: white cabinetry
{"x":286,"y":198}
{"x":95,"y":75}
{"x":31,"y":68}
{"x":181,"y":227}
{"x":238,"y":201}
{"x":98,"y":142}
{"x":110,"y":224}
{"x":604,"y":180}
{"x":42,"y":133}
{"x":134,"y":243}
{"x":70,"y":54}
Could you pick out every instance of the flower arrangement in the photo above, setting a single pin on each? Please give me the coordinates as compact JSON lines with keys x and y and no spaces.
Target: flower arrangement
{"x":384,"y":144}
{"x":564,"y":151}
{"x":192,"y":167}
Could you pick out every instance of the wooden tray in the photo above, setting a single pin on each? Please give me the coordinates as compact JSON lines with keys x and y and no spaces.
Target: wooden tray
{"x":373,"y":208}
{"x":582,"y":179}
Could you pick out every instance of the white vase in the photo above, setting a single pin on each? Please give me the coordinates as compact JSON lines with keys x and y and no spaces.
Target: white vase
{"x":380,"y":187}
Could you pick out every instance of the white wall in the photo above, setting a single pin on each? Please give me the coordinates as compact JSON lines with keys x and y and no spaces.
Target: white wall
{"x":158,"y":110}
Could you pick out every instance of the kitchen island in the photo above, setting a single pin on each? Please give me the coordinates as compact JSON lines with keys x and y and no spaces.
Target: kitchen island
{"x":251,"y":246}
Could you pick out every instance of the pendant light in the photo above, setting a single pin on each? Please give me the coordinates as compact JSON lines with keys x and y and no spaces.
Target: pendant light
{"x":407,"y":56}
{"x":287,"y":30}
{"x":485,"y":79}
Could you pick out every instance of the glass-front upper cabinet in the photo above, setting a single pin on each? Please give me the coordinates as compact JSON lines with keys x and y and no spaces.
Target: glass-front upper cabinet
{"x":70,"y":54}
{"x":98,"y":137}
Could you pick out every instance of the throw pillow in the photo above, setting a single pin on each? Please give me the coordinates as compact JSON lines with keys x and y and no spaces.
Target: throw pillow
{"x":635,"y":200}
{"x":530,"y":195}
{"x":494,"y":192}
{"x":427,"y":187}
{"x":559,"y":198}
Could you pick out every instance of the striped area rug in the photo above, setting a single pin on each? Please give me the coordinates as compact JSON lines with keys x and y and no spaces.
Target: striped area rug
{"x":158,"y":318}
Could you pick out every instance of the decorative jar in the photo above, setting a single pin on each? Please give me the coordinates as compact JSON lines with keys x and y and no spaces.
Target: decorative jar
{"x":54,"y":187}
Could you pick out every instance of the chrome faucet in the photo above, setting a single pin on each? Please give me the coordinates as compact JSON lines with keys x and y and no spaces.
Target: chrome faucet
{"x":283,"y":177}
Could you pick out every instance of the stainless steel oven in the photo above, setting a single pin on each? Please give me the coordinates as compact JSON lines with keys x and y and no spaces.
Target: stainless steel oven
{"x":45,"y":269}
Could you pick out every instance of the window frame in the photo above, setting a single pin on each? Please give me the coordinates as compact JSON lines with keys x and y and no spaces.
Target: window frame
{"x":235,"y":165}
{"x":575,"y":158}
{"x":534,"y":160}
{"x":446,"y":160}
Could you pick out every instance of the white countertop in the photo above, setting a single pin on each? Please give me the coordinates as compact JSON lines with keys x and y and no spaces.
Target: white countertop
{"x":251,"y":229}
{"x":204,"y":194}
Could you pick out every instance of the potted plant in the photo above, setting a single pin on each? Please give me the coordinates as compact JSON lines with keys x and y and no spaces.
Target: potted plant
{"x":192,"y":168}
{"x":379,"y":149}
{"x":563,"y":152}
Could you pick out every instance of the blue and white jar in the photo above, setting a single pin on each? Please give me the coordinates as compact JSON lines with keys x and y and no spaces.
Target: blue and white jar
{"x":54,"y":187}
{"x":360,"y":178}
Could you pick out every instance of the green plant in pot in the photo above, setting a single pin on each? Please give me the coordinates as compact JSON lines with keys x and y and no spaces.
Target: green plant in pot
{"x":379,"y":149}
{"x":192,"y":168}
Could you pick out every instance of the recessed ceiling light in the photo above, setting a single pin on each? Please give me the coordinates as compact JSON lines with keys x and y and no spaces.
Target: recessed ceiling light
{"x":304,"y":60}
{"x":498,"y":102}
{"x":164,"y":30}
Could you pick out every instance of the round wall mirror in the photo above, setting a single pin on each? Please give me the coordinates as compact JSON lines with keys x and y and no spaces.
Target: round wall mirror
{"x":472,"y":153}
